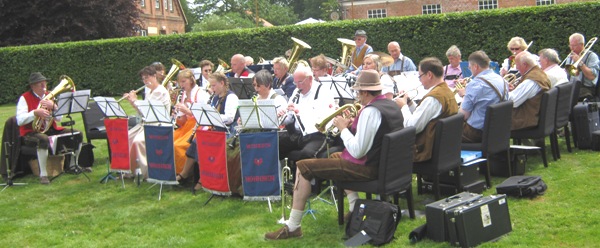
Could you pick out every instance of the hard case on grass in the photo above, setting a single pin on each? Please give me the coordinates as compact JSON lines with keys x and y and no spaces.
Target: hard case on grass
{"x":435,"y":214}
{"x":596,"y":141}
{"x":450,"y":189}
{"x":467,"y":175}
{"x":586,"y":120}
{"x":483,"y":220}
{"x":522,"y":186}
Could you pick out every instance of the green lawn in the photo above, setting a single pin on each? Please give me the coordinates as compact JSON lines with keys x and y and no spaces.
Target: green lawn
{"x":72,"y":212}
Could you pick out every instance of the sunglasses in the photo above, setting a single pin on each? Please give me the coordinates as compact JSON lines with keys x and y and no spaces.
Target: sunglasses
{"x":515,"y":48}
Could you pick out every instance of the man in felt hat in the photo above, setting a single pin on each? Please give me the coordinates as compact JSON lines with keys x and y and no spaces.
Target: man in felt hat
{"x":362,"y":49}
{"x":359,"y":161}
{"x":27,"y":110}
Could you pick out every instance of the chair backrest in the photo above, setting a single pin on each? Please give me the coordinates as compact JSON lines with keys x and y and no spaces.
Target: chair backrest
{"x":395,"y":165}
{"x":548,"y":111}
{"x":563,"y":104}
{"x":447,"y":144}
{"x":496,"y":127}
{"x":92,"y":119}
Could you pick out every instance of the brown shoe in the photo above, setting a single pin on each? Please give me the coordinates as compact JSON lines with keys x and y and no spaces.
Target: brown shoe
{"x":284,"y":233}
{"x":44,"y":180}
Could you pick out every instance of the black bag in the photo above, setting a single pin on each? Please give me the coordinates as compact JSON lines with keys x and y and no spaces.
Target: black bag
{"x":377,"y":218}
{"x":86,"y":156}
{"x":586,"y":120}
{"x":522,"y":186}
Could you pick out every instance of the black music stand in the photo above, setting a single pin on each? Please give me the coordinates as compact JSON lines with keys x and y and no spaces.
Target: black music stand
{"x":242,"y":87}
{"x":110,"y":108}
{"x":70,"y":103}
{"x":339,"y":87}
{"x":9,"y":181}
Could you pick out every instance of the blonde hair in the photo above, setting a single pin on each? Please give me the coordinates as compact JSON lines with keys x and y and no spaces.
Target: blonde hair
{"x":517,"y":41}
{"x":453,"y":51}
{"x":281,"y":61}
{"x":187,"y":73}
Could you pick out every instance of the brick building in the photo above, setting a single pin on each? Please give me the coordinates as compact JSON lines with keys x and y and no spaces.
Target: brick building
{"x":160,"y":17}
{"x":361,"y":9}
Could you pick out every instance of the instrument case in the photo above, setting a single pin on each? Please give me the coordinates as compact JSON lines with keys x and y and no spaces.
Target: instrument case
{"x":450,"y":189}
{"x":485,"y":219}
{"x":586,"y":120}
{"x":461,"y":176}
{"x":435,"y":214}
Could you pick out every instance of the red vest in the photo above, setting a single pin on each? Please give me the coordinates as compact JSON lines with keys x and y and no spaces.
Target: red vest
{"x":32,"y":104}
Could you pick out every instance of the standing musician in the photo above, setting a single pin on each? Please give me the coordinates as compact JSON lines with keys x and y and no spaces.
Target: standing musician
{"x":452,"y":71}
{"x":238,"y":67}
{"x":549,"y":63}
{"x":401,"y":62}
{"x":516,"y":45}
{"x":27,"y":110}
{"x":207,"y":68}
{"x":191,"y":93}
{"x":588,"y":67}
{"x":310,"y":104}
{"x":438,"y":103}
{"x":360,"y":159}
{"x":281,"y":78}
{"x":137,"y":141}
{"x":262,"y":83}
{"x":527,"y":95}
{"x":362,"y":49}
{"x":484,"y":89}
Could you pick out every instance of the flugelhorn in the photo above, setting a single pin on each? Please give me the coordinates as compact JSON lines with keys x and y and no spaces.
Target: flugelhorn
{"x":42,"y":125}
{"x":573,"y":69}
{"x":332,"y":130}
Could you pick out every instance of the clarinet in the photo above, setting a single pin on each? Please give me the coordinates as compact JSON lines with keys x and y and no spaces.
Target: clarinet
{"x":291,"y":126}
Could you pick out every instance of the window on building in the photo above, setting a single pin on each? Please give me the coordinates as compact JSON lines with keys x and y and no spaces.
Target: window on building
{"x":157,"y":4}
{"x":143,"y":3}
{"x":175,"y":32}
{"x":171,"y":5}
{"x":377,"y":13}
{"x":432,"y":9}
{"x":544,"y":2}
{"x":143,"y":32}
{"x":488,"y":4}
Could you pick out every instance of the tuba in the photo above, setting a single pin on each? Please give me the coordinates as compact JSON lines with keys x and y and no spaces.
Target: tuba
{"x":42,"y":125}
{"x":173,"y":71}
{"x":348,"y":47}
{"x":223,"y":67}
{"x":352,"y":108}
{"x":299,"y":47}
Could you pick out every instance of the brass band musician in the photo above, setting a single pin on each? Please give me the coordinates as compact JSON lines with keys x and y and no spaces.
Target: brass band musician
{"x":588,"y":67}
{"x":239,"y":68}
{"x":281,"y":78}
{"x":549,"y":63}
{"x":452,"y":71}
{"x":401,"y":63}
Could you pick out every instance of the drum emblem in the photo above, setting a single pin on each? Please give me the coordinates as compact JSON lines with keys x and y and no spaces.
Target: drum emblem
{"x":211,"y":159}
{"x":258,"y":161}
{"x":158,"y":152}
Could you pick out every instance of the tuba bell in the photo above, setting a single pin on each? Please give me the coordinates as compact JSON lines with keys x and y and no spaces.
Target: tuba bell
{"x":348,"y":47}
{"x":173,"y":71}
{"x":332,"y":130}
{"x":223,"y":67}
{"x":299,"y":47}
{"x":42,"y":125}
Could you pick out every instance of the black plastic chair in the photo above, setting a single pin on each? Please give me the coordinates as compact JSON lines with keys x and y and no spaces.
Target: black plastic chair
{"x":495,"y":135}
{"x":563,"y":110}
{"x":395,"y":172}
{"x":16,"y":150}
{"x":445,"y":155}
{"x":93,"y":122}
{"x":574,"y":100}
{"x":545,"y":125}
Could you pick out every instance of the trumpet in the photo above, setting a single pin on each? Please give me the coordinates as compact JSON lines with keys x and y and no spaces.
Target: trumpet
{"x":136,"y":91}
{"x":461,"y":84}
{"x":573,"y":69}
{"x":512,"y":79}
{"x":332,"y":130}
{"x":286,"y":177}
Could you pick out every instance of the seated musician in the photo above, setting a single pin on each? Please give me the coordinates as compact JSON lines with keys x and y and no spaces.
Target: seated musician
{"x":516,"y":45}
{"x":588,"y":67}
{"x":262,"y":84}
{"x":27,"y":111}
{"x":160,"y":75}
{"x":238,"y":67}
{"x":360,"y":159}
{"x":373,"y":62}
{"x":401,"y":62}
{"x":137,"y":140}
{"x":192,"y":93}
{"x":224,"y":101}
{"x":484,"y":89}
{"x":249,"y":60}
{"x":207,"y":68}
{"x":549,"y":63}
{"x":438,"y":103}
{"x":281,"y":78}
{"x":527,"y":95}
{"x":310,"y":104}
{"x":319,"y":66}
{"x":452,"y":71}
{"x":362,"y":49}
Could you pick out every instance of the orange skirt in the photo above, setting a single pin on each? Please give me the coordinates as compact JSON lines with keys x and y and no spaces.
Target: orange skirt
{"x":180,"y":138}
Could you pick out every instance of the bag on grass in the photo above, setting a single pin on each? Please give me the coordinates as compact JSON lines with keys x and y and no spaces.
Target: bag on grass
{"x":522,"y":186}
{"x":376,"y":219}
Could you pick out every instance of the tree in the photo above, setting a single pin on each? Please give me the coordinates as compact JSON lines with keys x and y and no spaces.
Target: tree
{"x":28,"y":22}
{"x":223,"y":22}
{"x":189,"y":15}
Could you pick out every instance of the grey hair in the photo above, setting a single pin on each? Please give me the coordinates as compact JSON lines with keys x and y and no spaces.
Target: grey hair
{"x":550,"y":54}
{"x":453,"y":51}
{"x":264,"y":77}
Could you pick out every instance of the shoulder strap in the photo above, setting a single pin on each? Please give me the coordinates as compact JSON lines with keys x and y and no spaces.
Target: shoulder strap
{"x":318,"y":89}
{"x":502,"y":97}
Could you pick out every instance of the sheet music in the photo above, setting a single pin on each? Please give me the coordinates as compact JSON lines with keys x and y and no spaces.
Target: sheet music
{"x":110,"y":107}
{"x":154,"y":111}
{"x":72,"y":102}
{"x":259,"y":115}
{"x":338,"y":86}
{"x":53,"y":140}
{"x":206,"y":115}
{"x":408,"y":81}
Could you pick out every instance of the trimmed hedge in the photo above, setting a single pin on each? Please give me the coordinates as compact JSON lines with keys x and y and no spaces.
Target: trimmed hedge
{"x":109,"y":67}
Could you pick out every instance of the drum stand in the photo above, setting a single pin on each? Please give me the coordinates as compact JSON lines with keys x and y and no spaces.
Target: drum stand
{"x":9,"y":181}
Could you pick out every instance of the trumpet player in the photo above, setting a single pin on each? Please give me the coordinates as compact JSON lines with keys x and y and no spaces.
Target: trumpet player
{"x":484,"y":89}
{"x":527,"y":95}
{"x":588,"y":66}
{"x":452,"y":71}
{"x":32,"y":104}
{"x":358,"y":162}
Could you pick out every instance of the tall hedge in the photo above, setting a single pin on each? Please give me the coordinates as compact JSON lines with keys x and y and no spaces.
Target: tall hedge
{"x":109,"y":67}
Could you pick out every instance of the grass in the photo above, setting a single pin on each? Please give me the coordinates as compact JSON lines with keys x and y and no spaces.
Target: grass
{"x":72,"y":212}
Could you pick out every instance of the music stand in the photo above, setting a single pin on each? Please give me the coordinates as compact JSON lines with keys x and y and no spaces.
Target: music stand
{"x":69,"y":103}
{"x":206,"y":115}
{"x":110,"y":108}
{"x":258,"y":114}
{"x":242,"y":87}
{"x":339,"y":86}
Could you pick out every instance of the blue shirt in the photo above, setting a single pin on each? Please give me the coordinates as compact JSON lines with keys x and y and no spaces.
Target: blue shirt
{"x":591,"y":61}
{"x":398,"y":66}
{"x":479,"y":95}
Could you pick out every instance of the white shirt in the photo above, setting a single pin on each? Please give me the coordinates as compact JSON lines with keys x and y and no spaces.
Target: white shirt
{"x":24,"y":116}
{"x":280,"y":102}
{"x":231,"y":105}
{"x":428,"y":109}
{"x":313,"y":111}
{"x":160,"y":94}
{"x":556,"y":75}
{"x":368,"y":122}
{"x":524,"y":91}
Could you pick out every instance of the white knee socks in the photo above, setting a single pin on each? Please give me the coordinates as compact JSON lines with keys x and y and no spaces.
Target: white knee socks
{"x":295,"y":218}
{"x":352,"y":197}
{"x":42,"y":157}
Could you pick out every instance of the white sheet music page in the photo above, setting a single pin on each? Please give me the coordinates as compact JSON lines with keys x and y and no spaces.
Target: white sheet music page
{"x":206,"y":115}
{"x":110,"y":107}
{"x":261,"y":115}
{"x":154,"y":111}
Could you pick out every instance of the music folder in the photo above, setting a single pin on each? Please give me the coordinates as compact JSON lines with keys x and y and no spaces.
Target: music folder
{"x":242,"y":87}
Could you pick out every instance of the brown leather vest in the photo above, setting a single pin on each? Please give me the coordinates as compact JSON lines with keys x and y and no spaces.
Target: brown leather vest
{"x":527,"y":114}
{"x":358,"y":60}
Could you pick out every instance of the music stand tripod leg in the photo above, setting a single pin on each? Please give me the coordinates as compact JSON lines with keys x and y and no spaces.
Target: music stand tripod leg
{"x":109,"y":174}
{"x":310,"y":211}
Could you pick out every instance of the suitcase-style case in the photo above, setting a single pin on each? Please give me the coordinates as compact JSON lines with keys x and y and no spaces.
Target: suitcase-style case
{"x":466,"y":174}
{"x":586,"y":121}
{"x":435,"y":214}
{"x":450,"y":189}
{"x":483,"y":220}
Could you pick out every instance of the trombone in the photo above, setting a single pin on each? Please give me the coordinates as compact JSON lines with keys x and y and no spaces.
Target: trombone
{"x":573,"y":69}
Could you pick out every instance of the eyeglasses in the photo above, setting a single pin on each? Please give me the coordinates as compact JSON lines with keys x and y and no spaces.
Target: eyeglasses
{"x":422,"y":75}
{"x":301,"y":81}
{"x":515,"y":48}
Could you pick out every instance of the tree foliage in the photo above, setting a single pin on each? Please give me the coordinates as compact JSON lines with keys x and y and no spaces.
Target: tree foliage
{"x":27,"y":22}
{"x":191,"y":17}
{"x":223,"y":22}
